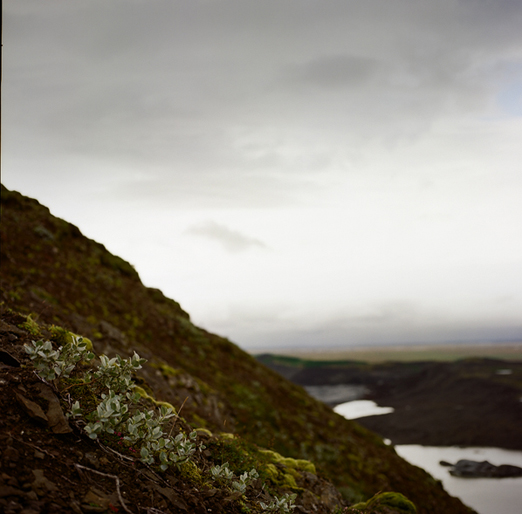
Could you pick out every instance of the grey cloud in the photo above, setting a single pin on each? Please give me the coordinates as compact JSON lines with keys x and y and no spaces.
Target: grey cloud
{"x":231,"y":240}
{"x":158,"y":86}
{"x":333,"y":71}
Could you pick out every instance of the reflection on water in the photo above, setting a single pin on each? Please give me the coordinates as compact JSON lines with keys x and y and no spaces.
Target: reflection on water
{"x":485,"y":495}
{"x":361,"y":409}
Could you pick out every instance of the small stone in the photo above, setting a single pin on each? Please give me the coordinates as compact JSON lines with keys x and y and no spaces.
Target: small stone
{"x":95,"y":501}
{"x":56,"y":418}
{"x":7,"y":490}
{"x":92,"y":460}
{"x":11,"y":454}
{"x":13,"y":507}
{"x":39,"y":455}
{"x":41,"y":485}
{"x":32,"y":408}
{"x":13,"y":482}
{"x":7,"y":359}
{"x":31,"y":496}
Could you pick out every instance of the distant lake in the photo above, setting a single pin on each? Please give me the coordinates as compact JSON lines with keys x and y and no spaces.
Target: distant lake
{"x":485,"y":495}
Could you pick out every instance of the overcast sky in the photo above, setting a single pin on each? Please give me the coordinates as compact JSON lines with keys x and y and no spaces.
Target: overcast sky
{"x":296,"y":173}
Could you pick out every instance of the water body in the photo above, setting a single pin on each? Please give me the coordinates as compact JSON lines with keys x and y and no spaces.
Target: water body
{"x":361,"y":409}
{"x":485,"y":495}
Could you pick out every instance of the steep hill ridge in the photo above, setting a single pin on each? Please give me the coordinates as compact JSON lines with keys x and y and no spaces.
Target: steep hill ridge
{"x":61,"y":278}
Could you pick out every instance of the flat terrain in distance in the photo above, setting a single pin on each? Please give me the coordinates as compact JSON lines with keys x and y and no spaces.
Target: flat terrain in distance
{"x":406,"y":353}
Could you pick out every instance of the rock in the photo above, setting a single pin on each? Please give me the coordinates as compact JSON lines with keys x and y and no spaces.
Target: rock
{"x":13,"y":507}
{"x":473,"y":469}
{"x":13,"y":482}
{"x":7,"y":359}
{"x":92,"y":460}
{"x":31,"y":496}
{"x":11,"y":454}
{"x":30,"y":510}
{"x":32,"y":408}
{"x":95,"y":501}
{"x":7,"y":328}
{"x":41,"y":485}
{"x":8,"y":490}
{"x":56,"y":419}
{"x":172,"y":496}
{"x":111,"y":332}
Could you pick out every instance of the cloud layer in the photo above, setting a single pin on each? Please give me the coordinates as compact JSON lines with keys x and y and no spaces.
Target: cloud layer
{"x":372,"y":147}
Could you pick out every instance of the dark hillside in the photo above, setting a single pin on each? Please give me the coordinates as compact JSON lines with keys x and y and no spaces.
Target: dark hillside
{"x":467,"y":402}
{"x":51,"y":272}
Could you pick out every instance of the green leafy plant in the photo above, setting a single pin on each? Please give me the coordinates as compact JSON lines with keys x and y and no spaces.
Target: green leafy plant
{"x":283,"y":505}
{"x":51,"y":364}
{"x":116,"y":411}
{"x":240,"y":485}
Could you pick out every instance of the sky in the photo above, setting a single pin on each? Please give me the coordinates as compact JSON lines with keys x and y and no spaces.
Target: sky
{"x":296,"y":173}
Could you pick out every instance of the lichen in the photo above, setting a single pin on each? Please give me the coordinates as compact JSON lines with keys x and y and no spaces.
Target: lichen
{"x":383,"y":502}
{"x":31,"y":326}
{"x":301,"y":464}
{"x":189,"y":471}
{"x":62,"y":337}
{"x":204,"y":431}
{"x":147,"y":396}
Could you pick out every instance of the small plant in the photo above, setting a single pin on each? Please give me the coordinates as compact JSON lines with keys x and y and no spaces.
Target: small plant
{"x":221,"y":472}
{"x":283,"y":505}
{"x":244,"y":480}
{"x":224,"y":473}
{"x":31,"y":326}
{"x":116,"y":373}
{"x":115,"y":412}
{"x":51,"y":364}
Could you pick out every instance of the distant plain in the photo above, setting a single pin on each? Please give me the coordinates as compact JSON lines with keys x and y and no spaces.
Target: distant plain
{"x":406,"y":353}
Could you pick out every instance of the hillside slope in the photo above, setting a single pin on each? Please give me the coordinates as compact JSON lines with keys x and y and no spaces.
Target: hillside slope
{"x":51,"y":271}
